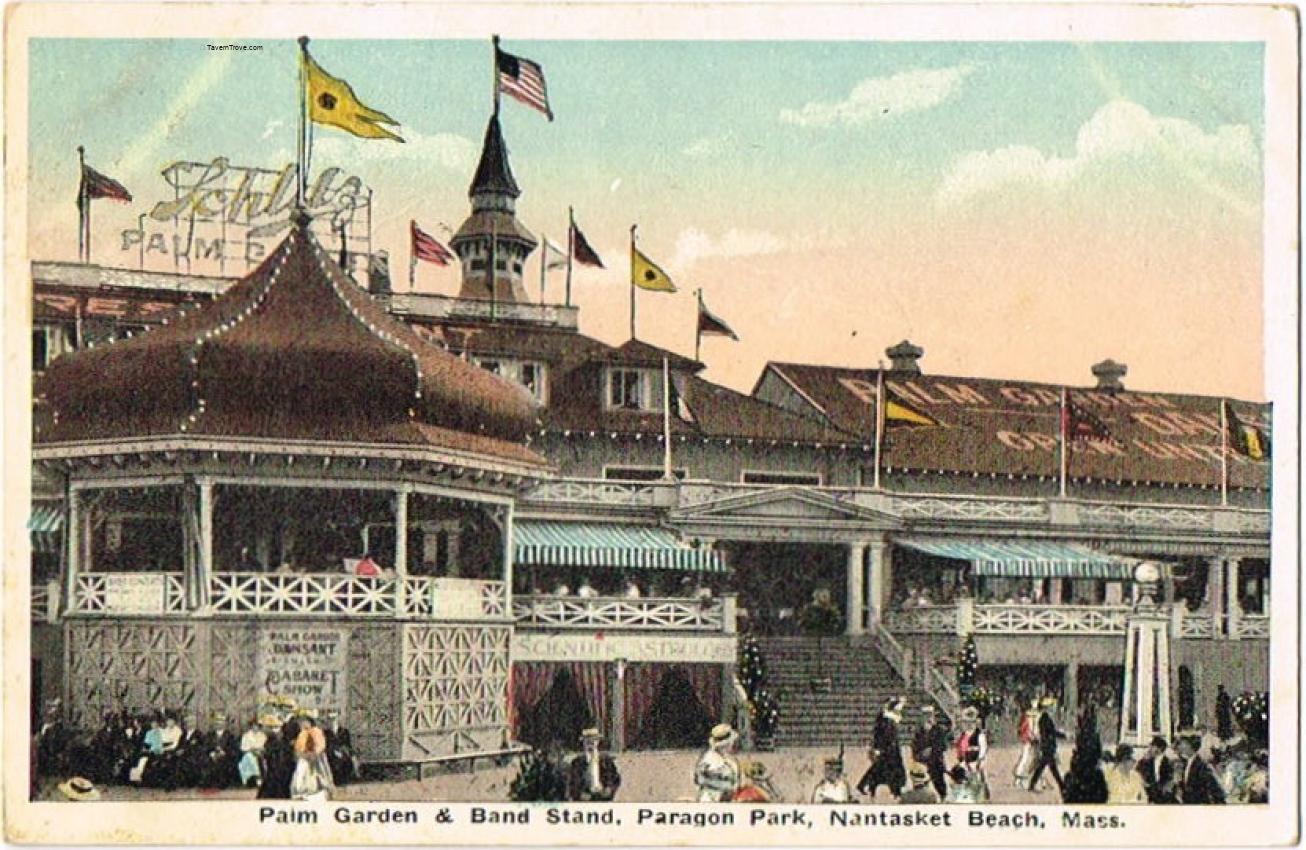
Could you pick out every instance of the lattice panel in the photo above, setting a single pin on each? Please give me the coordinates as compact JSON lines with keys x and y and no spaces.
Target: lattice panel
{"x":455,"y":678}
{"x":138,"y":666}
{"x":373,"y":713}
{"x":234,"y":684}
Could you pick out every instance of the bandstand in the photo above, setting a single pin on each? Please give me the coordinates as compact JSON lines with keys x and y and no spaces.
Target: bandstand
{"x":287,"y":491}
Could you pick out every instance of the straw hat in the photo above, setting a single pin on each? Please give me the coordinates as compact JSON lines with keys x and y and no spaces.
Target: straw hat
{"x":722,"y":734}
{"x":269,"y":721}
{"x":970,"y":714}
{"x":757,"y":771}
{"x":79,"y":790}
{"x":1048,"y":700}
{"x":307,"y":713}
{"x":590,"y":734}
{"x":918,"y":773}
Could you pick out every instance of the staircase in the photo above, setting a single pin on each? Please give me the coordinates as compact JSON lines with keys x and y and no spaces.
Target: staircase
{"x":830,"y":690}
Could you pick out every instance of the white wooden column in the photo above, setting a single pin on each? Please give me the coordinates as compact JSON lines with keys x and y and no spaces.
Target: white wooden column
{"x":1215,"y":594}
{"x":401,"y":532}
{"x":855,"y":606}
{"x":881,"y":580}
{"x":204,"y":569}
{"x":1233,"y":605}
{"x":73,"y":533}
{"x":508,"y":553}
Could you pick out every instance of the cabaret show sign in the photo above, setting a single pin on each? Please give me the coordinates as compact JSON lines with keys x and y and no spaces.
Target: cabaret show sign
{"x":307,"y":664}
{"x":220,"y":212}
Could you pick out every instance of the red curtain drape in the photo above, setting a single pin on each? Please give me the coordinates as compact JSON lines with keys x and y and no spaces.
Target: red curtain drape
{"x":528,"y":682}
{"x":592,"y":679}
{"x":705,"y":679}
{"x":641,"y":687}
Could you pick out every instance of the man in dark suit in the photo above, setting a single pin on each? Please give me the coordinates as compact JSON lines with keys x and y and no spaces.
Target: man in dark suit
{"x":928,"y":747}
{"x":1158,"y":773}
{"x":1048,"y":734}
{"x":886,"y":753}
{"x":339,"y":749}
{"x":1198,"y":785}
{"x":592,"y":776}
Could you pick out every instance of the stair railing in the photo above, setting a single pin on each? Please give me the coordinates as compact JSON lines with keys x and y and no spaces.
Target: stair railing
{"x":940,"y":689}
{"x":898,"y":656}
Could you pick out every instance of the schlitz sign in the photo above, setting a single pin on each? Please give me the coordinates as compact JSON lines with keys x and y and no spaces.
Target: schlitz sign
{"x":221,"y":211}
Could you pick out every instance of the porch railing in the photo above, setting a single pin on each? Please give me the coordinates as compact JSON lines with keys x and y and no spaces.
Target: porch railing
{"x":602,"y":612}
{"x":1010,"y":619}
{"x":1253,"y":626}
{"x":45,"y":602}
{"x":940,"y":689}
{"x":595,"y":491}
{"x":416,"y":597}
{"x":898,"y":656}
{"x":935,"y":619}
{"x":152,"y":593}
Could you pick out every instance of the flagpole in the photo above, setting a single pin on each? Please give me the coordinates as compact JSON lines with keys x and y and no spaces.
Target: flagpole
{"x":82,"y":204}
{"x":140,"y":223}
{"x":494,"y":66}
{"x":879,"y":422}
{"x":1065,"y":449}
{"x":632,"y":281}
{"x":698,"y":325}
{"x":301,"y":162}
{"x":666,"y":420}
{"x":1224,"y":453}
{"x":571,"y":241}
{"x":544,"y":261}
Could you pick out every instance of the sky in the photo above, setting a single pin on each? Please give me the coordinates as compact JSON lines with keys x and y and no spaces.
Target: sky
{"x":1019,"y":210}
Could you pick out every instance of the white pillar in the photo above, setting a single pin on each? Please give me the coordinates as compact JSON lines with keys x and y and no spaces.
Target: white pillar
{"x":401,"y":532}
{"x":508,"y":553}
{"x":856,"y":591}
{"x":1233,"y":605}
{"x":204,"y":569}
{"x":1215,"y":594}
{"x":73,"y":532}
{"x":1145,"y":709}
{"x":881,"y":583}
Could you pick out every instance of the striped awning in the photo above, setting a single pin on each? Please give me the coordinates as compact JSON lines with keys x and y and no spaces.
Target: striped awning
{"x":44,"y":524}
{"x":596,"y":544}
{"x":1026,"y":558}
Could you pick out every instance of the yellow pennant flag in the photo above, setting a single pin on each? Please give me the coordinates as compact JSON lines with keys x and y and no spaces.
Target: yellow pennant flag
{"x":646,"y":274}
{"x":331,"y":101}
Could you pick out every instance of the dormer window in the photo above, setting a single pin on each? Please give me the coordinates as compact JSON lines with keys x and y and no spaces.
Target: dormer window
{"x":529,"y":373}
{"x":630,"y":389}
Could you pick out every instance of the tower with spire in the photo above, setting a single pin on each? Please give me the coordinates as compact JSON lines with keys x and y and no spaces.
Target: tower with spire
{"x":494,"y":194}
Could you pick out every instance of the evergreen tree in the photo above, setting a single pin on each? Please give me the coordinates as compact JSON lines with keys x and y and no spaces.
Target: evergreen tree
{"x":1085,"y":782}
{"x":967,"y":668}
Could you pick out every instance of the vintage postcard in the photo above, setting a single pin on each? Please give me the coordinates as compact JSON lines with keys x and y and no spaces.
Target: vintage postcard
{"x":589,"y":424}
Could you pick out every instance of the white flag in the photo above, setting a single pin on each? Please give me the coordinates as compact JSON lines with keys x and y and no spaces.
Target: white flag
{"x":554,"y":257}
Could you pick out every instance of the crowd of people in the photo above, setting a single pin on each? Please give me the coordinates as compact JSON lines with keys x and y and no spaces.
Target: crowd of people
{"x":625,"y":586}
{"x":285,"y":752}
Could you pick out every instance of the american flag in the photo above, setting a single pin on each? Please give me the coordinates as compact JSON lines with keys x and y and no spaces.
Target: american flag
{"x":524,"y":80}
{"x":425,"y":247}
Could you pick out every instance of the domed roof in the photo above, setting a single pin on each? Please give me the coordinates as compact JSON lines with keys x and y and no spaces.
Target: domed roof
{"x":293,"y":350}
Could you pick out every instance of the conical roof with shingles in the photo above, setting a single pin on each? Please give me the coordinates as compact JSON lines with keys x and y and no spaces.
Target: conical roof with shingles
{"x":294,"y":350}
{"x":494,"y":174}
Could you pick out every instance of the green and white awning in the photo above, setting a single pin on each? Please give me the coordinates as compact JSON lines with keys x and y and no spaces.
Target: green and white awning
{"x":1026,"y":558}
{"x":45,"y":524}
{"x":597,"y":544}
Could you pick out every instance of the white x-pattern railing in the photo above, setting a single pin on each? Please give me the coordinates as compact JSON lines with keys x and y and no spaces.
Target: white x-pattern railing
{"x":260,"y":593}
{"x":935,"y":619}
{"x":602,"y":612}
{"x":1253,"y":626}
{"x":142,"y":593}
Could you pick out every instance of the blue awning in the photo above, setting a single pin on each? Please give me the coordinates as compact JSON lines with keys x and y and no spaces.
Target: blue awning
{"x":615,"y":545}
{"x":44,"y":525}
{"x":1025,"y":558}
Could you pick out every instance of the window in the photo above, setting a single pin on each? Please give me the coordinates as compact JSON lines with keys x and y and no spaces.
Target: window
{"x":804,"y":479}
{"x":628,"y":389}
{"x":532,"y":378}
{"x":40,"y":349}
{"x":478,"y":265}
{"x":639,"y":473}
{"x":494,"y":367}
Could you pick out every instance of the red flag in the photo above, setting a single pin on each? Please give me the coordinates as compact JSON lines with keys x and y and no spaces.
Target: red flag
{"x":96,"y":185}
{"x":1079,"y":424}
{"x":425,"y":247}
{"x":581,"y":250}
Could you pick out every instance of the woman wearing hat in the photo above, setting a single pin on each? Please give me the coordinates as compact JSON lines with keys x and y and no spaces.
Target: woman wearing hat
{"x":833,"y":787}
{"x":717,"y":772}
{"x":973,"y":750}
{"x":592,"y":776}
{"x":1027,"y":731}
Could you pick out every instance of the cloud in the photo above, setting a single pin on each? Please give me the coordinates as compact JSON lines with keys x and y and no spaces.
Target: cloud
{"x":207,"y":77}
{"x":693,"y":245}
{"x":445,"y":150}
{"x":1120,"y":132}
{"x":709,"y":146}
{"x":884,"y":98}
